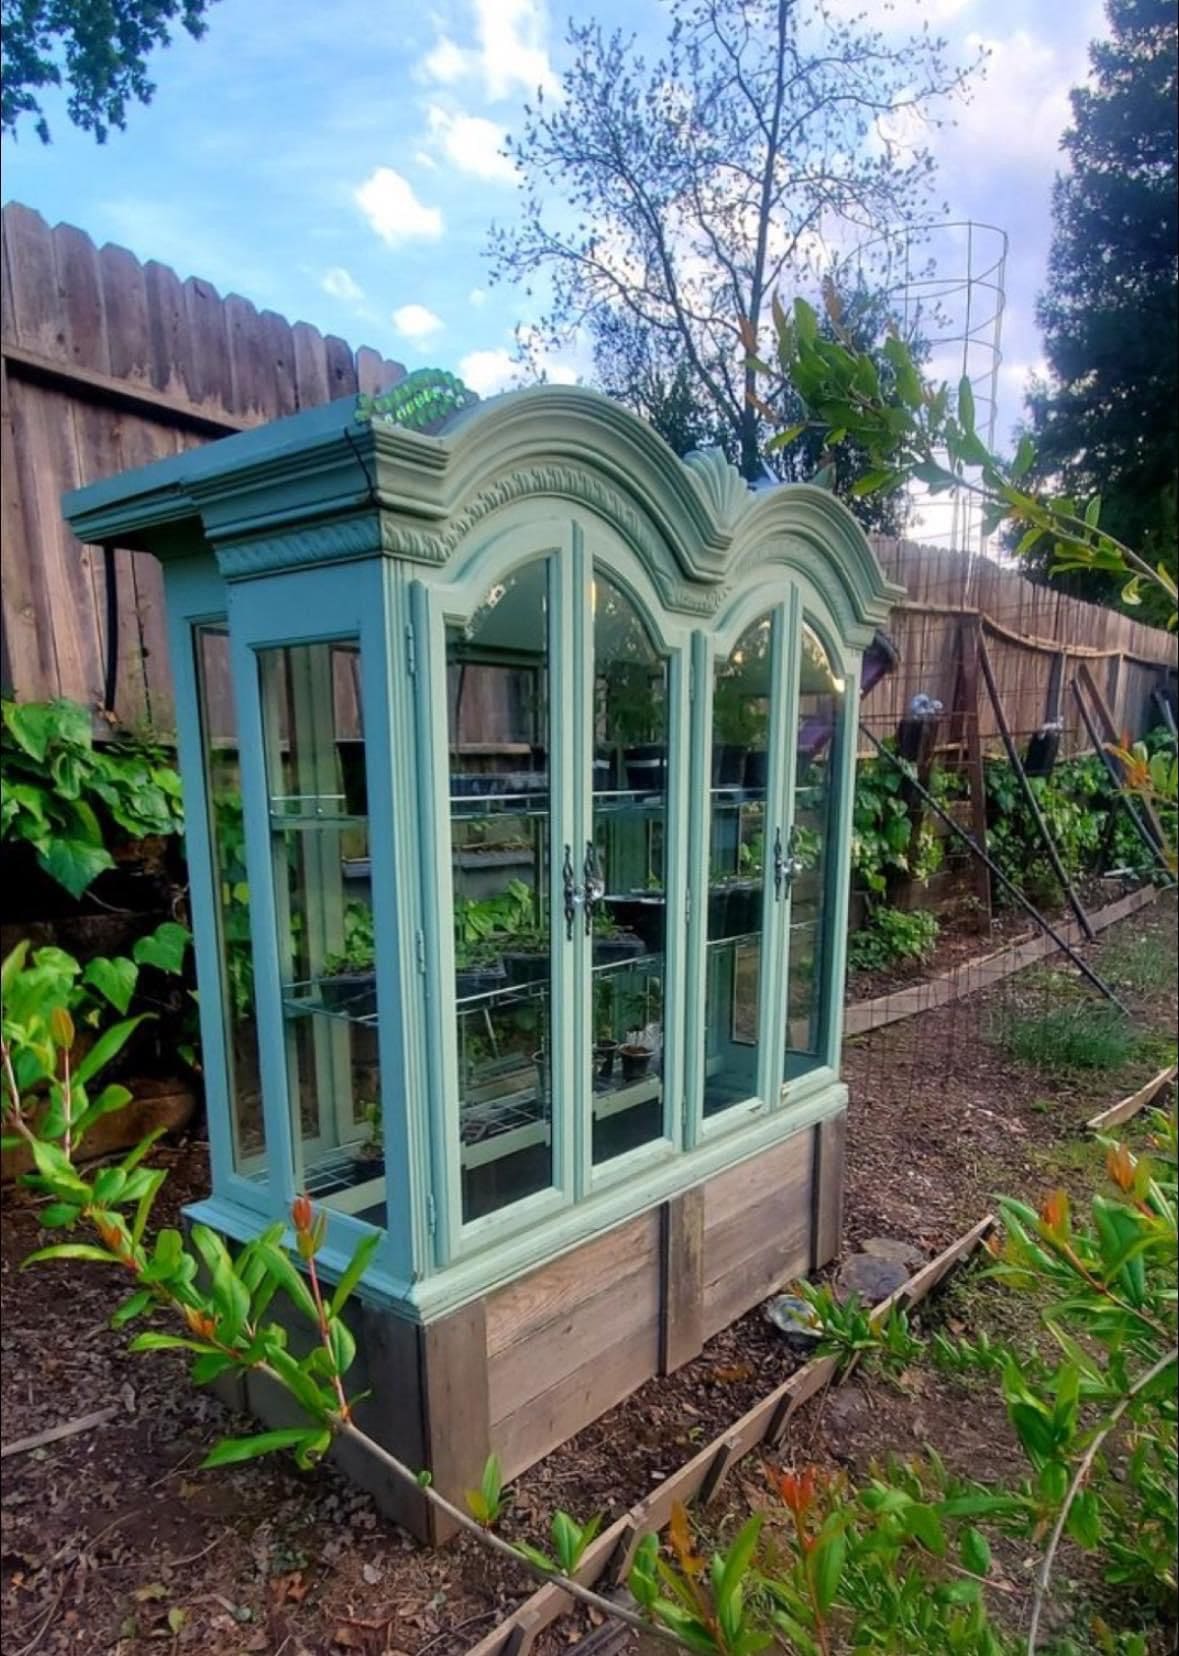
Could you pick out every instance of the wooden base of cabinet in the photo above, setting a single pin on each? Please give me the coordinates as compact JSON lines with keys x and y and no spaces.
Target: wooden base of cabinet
{"x":524,"y":1368}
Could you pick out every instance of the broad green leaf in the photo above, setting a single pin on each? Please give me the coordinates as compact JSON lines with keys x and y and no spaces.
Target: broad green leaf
{"x":783,"y":439}
{"x":72,"y":1250}
{"x":533,"y":1554}
{"x":342,"y":1344}
{"x":132,"y":1307}
{"x":566,"y":1541}
{"x":150,"y":1340}
{"x":966,"y":404}
{"x":737,"y":1559}
{"x":114,"y":979}
{"x":827,"y":1566}
{"x":1093,"y":512}
{"x":74,"y":864}
{"x":290,"y":1281}
{"x":1084,"y":1519}
{"x":1025,"y":454}
{"x":165,"y":948}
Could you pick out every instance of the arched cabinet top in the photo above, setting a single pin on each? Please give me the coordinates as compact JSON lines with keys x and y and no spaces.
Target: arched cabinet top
{"x":324,"y":486}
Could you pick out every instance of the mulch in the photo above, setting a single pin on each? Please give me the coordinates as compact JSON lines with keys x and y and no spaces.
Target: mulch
{"x":113,"y":1541}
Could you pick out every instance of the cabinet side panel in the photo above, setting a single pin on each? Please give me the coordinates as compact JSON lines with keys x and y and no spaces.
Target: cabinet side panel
{"x":757,"y":1229}
{"x":830,"y":1160}
{"x":570,"y":1340}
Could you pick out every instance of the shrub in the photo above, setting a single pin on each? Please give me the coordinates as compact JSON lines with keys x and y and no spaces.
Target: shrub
{"x":892,"y":935}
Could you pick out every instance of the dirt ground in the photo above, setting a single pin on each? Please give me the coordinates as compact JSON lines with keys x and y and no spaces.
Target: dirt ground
{"x":112,"y":1541}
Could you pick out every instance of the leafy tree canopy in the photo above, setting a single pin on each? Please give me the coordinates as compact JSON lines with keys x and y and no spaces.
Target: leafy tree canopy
{"x":98,"y":49}
{"x":1106,"y":420}
{"x":664,"y":203}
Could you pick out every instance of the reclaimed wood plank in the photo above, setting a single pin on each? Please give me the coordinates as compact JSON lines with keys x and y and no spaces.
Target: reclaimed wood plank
{"x":827,"y":1183}
{"x":535,"y":1300}
{"x":455,"y":1406}
{"x":1130,"y":1106}
{"x":682,"y":1297}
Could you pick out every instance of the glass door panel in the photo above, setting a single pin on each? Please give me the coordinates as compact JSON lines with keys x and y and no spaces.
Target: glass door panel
{"x":810,"y":850}
{"x":219,"y":731}
{"x":742,"y":703}
{"x":499,"y":806}
{"x":318,"y":802}
{"x":624,"y":874}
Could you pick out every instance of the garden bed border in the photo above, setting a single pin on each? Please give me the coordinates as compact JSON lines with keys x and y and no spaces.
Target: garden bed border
{"x":608,"y":1558}
{"x":860,"y":1017}
{"x":1130,"y":1106}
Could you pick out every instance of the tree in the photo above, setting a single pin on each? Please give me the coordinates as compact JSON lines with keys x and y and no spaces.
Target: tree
{"x":661,"y":387}
{"x":1106,"y":420}
{"x":691,"y":189}
{"x":97,"y":48}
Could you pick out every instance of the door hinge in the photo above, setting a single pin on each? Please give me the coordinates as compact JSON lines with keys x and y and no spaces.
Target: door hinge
{"x":419,"y":949}
{"x":411,"y":650}
{"x":431,"y":1213}
{"x":688,"y":907}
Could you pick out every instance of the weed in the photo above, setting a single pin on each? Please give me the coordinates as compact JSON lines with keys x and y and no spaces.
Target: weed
{"x":1080,"y":1037}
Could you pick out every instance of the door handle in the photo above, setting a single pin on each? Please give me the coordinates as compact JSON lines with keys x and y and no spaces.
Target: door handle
{"x":573,"y":894}
{"x":595,"y":885}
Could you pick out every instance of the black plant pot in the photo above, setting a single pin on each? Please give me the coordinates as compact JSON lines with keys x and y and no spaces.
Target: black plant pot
{"x":757,"y":770}
{"x":526,"y":965}
{"x":728,"y":765}
{"x":643,"y":915}
{"x":646,"y":767}
{"x":479,"y":980}
{"x":610,"y":951}
{"x":606,"y":775}
{"x":354,"y":993}
{"x":353,"y":774}
{"x":368,"y":1167}
{"x":636,"y":1061}
{"x":734,"y":910}
{"x":605,"y":1053}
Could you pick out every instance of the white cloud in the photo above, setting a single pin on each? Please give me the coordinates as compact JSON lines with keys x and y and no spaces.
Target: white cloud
{"x":472,"y":144}
{"x":487,"y":372}
{"x":340,"y":284}
{"x":416,"y":322}
{"x":510,"y":54}
{"x":477,"y":297}
{"x":390,"y":205}
{"x":446,"y":63}
{"x":900,"y":15}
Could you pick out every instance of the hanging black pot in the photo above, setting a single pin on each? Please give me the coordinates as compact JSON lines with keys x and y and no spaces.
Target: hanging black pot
{"x":611,"y":951}
{"x":728,"y":765}
{"x":646,"y":767}
{"x":757,"y":770}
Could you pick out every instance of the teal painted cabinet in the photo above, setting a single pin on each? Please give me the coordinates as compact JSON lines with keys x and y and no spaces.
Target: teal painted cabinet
{"x":517,"y":765}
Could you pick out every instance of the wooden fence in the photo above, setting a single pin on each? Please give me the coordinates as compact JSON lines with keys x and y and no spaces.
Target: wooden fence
{"x":108,"y":364}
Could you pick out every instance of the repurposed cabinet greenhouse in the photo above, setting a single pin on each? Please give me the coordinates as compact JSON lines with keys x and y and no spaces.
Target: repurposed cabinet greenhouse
{"x":517,"y":766}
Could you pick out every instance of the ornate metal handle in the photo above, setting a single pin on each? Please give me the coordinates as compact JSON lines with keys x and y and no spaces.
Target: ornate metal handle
{"x":595,"y":886}
{"x":789,"y":865}
{"x":573,"y":893}
{"x":779,"y":865}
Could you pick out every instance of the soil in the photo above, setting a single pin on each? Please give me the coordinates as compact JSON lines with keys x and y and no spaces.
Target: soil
{"x":113,"y":1541}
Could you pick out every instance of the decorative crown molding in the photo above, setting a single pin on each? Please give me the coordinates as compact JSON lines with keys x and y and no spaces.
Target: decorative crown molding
{"x":725,"y":491}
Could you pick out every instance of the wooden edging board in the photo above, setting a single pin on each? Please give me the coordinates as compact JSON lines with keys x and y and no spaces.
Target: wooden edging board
{"x":861,"y":1016}
{"x":1130,"y":1106}
{"x":608,"y":1558}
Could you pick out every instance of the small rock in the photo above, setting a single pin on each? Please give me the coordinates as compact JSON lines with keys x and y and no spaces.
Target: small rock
{"x":887,"y":1247}
{"x":871,"y":1277}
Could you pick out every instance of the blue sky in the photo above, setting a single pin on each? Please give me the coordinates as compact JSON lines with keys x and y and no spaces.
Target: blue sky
{"x":337,"y":161}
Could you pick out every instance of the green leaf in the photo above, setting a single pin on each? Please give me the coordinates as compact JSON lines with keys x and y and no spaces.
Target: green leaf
{"x":966,"y":404}
{"x":1093,"y":512}
{"x":492,"y":1483}
{"x":342,"y":1344}
{"x":1084,"y":1519}
{"x":165,"y":948}
{"x":132,"y":1307}
{"x":72,"y":1250}
{"x":74,"y":864}
{"x":114,"y":979}
{"x":533,"y":1554}
{"x":108,"y":1045}
{"x":737,"y":1559}
{"x":923,"y":1523}
{"x":827,"y":1562}
{"x":354,"y":1270}
{"x":150,"y":1340}
{"x":975,"y":1552}
{"x":290,"y":1281}
{"x":783,"y":439}
{"x":57,"y":1213}
{"x":209,"y":1366}
{"x":231,"y":1451}
{"x":1025,"y":454}
{"x":567,"y":1541}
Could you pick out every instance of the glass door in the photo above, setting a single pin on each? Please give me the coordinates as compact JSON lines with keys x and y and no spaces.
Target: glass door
{"x":626,"y":873}
{"x":821,"y":733}
{"x":736,"y":904}
{"x":502,"y":862}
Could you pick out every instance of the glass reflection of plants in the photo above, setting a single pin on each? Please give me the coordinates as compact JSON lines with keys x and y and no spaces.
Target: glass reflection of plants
{"x":630,"y":691}
{"x":741,"y":710}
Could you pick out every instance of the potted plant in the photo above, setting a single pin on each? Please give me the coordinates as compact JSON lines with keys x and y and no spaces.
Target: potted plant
{"x":632,"y":716}
{"x":369,"y":1154}
{"x":635,"y":1055}
{"x":738,"y":726}
{"x":478,"y":967}
{"x":605,"y":1046}
{"x":613,"y":943}
{"x":348,"y":982}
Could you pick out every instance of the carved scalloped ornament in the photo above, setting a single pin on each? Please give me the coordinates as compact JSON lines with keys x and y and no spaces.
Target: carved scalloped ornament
{"x":726,"y":492}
